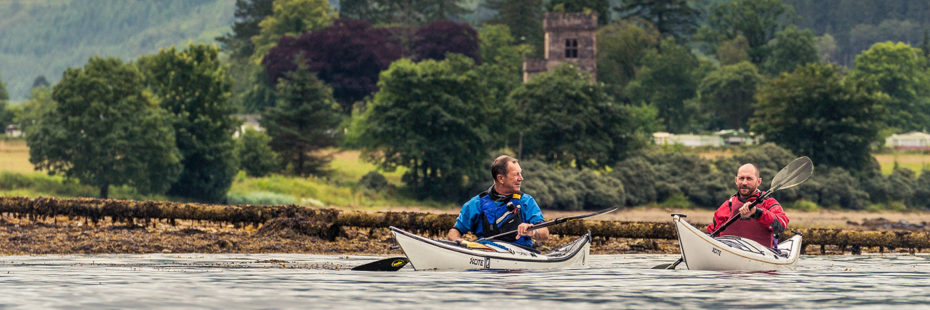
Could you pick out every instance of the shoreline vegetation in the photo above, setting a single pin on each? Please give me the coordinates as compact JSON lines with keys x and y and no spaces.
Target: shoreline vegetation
{"x":289,"y":220}
{"x":95,"y":226}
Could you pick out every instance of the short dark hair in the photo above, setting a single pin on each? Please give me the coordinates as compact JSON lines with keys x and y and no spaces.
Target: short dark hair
{"x":499,"y":166}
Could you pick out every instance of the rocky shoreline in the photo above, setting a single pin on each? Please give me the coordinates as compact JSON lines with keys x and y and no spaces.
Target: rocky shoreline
{"x":62,"y":235}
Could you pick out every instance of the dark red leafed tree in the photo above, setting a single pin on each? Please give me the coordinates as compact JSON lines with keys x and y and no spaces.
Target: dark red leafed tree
{"x":348,"y":56}
{"x":436,"y":39}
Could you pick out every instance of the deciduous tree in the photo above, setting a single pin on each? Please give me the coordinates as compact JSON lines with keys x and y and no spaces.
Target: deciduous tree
{"x":106,"y":130}
{"x":792,"y":47}
{"x":290,"y":18}
{"x":620,"y":48}
{"x":566,"y":119}
{"x":255,"y":154}
{"x":348,"y":56}
{"x":4,"y":95}
{"x":757,"y":20}
{"x":728,"y":94}
{"x":193,"y":88}
{"x":671,"y":17}
{"x":523,"y":17}
{"x":899,"y":71}
{"x":666,"y":80}
{"x":440,"y":37}
{"x":599,"y":7}
{"x":430,"y":117}
{"x":814,"y":111}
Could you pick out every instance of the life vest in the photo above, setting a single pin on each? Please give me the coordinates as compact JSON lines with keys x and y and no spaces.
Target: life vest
{"x":500,"y":217}
{"x":750,"y":228}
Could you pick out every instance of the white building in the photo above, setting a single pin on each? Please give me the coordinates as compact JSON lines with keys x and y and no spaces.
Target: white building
{"x":665,"y":138}
{"x":13,"y":131}
{"x":914,"y":140}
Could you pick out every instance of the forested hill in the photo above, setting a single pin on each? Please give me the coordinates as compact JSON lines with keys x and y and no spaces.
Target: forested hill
{"x":857,"y":24}
{"x":43,"y":37}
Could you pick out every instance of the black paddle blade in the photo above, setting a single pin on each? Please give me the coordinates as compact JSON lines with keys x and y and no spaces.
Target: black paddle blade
{"x":669,"y":266}
{"x":796,"y":172}
{"x":387,"y":264}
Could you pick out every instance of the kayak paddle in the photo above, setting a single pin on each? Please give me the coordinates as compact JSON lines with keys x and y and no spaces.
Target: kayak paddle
{"x":387,"y":264}
{"x":553,"y":222}
{"x":795,"y":173}
{"x":395,"y":263}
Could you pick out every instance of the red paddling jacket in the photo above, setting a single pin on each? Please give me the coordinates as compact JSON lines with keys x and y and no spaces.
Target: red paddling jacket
{"x":768,"y":220}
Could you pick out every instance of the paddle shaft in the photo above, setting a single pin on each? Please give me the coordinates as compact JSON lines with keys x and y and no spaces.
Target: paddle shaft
{"x":737,"y":215}
{"x":531,"y":228}
{"x":796,"y":172}
{"x":724,"y":226}
{"x":552,"y":222}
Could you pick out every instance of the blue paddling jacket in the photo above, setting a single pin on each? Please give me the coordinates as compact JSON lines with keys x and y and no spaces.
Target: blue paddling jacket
{"x":485,"y":217}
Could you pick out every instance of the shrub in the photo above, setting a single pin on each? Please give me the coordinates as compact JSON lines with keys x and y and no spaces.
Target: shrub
{"x":255,"y":154}
{"x":570,"y":189}
{"x":638,"y":178}
{"x":374,"y":181}
{"x":260,"y":198}
{"x":835,"y":187}
{"x":902,"y":181}
{"x":802,"y":205}
{"x":921,"y":197}
{"x":602,"y":191}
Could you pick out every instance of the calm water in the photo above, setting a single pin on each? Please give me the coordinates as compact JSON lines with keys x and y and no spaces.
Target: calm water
{"x":308,"y":281}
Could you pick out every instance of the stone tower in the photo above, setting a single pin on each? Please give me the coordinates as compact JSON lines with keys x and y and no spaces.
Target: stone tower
{"x":570,"y":37}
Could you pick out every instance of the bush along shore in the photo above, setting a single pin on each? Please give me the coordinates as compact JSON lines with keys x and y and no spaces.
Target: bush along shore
{"x":86,"y":225}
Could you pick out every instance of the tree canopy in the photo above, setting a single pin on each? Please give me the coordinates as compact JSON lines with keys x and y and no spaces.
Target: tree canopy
{"x":900,"y":72}
{"x":440,"y":37}
{"x":564,"y":118}
{"x":523,"y":18}
{"x":248,"y":15}
{"x":192,"y":86}
{"x":106,"y":130}
{"x":756,"y":20}
{"x":816,"y":112}
{"x":431,"y":118}
{"x":790,"y":48}
{"x":4,"y":95}
{"x":621,"y":47}
{"x":348,"y":56}
{"x":302,"y":122}
{"x":728,"y":94}
{"x":290,"y":18}
{"x":600,"y":7}
{"x":671,"y":17}
{"x":669,"y":76}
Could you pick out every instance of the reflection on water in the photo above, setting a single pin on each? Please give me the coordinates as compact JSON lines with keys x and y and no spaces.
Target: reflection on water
{"x":313,"y":281}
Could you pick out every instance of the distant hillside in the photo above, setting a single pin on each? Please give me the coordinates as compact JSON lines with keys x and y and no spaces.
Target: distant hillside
{"x":43,"y":37}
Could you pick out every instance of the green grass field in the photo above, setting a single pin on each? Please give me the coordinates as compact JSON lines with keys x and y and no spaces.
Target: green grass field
{"x":339,"y":188}
{"x":910,"y":160}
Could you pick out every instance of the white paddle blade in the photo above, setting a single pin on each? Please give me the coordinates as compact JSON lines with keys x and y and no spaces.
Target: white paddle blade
{"x":796,"y":172}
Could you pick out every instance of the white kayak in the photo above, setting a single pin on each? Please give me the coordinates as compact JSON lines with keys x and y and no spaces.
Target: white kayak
{"x":432,"y":254}
{"x":701,"y":252}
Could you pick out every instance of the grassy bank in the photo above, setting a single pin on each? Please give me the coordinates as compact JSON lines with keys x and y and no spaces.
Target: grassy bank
{"x":338,"y":189}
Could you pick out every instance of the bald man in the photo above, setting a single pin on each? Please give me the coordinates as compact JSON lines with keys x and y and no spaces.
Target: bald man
{"x":761,"y":222}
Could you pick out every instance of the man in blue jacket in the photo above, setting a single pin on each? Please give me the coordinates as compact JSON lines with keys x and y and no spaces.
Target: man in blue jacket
{"x":502,"y":208}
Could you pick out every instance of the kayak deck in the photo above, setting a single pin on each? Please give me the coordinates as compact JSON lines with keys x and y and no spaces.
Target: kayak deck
{"x":702,"y":252}
{"x":431,"y":254}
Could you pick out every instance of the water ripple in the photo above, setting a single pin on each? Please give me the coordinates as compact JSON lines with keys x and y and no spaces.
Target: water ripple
{"x":310,"y":281}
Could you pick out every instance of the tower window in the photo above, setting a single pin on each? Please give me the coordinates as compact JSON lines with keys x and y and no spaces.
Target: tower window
{"x":571,"y":48}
